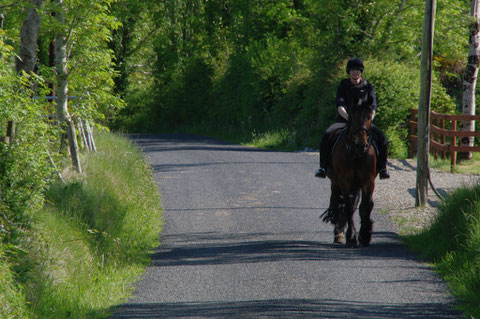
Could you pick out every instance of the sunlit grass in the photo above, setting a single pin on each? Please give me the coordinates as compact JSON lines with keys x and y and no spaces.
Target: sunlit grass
{"x":452,"y":243}
{"x":92,"y":240}
{"x":278,"y":140}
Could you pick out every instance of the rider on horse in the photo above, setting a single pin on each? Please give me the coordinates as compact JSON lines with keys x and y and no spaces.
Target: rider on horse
{"x":348,"y":90}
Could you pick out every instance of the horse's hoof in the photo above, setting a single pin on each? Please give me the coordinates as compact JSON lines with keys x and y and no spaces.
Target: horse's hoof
{"x":364,"y":242}
{"x":339,"y":239}
{"x":352,"y":244}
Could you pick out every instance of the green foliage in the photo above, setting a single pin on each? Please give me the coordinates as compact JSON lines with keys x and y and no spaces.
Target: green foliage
{"x":89,"y":27}
{"x":456,"y":234}
{"x":273,"y":66}
{"x":24,"y":163}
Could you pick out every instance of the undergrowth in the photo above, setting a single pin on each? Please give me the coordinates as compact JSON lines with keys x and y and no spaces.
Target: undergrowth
{"x":452,"y":243}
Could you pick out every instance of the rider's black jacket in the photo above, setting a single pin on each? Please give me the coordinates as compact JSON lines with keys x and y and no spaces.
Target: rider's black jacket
{"x":348,"y":94}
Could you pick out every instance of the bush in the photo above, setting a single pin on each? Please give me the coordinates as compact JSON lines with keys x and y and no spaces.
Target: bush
{"x":25,"y":169}
{"x":397,"y":87}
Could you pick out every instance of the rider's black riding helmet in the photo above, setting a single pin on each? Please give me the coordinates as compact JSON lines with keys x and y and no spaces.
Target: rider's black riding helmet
{"x":355,"y":63}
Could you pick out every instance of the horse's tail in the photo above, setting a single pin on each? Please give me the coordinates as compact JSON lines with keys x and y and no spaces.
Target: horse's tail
{"x":330,"y":215}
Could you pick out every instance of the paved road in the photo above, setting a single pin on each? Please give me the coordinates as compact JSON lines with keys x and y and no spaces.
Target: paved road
{"x":243,"y":239}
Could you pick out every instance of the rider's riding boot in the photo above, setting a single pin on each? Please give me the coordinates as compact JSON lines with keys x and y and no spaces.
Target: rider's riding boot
{"x":384,"y":173}
{"x":322,"y":173}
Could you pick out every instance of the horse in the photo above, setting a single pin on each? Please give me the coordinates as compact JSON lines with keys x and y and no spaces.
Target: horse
{"x":352,"y":172}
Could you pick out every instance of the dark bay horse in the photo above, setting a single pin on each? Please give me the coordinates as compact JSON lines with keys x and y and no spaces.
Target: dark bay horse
{"x":352,"y":172}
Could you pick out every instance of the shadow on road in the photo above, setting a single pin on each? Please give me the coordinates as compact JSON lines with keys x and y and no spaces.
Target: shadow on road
{"x":285,"y":308}
{"x":220,"y":249}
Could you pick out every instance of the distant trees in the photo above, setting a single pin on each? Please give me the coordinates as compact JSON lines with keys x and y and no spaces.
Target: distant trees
{"x":261,"y":65}
{"x":243,"y":66}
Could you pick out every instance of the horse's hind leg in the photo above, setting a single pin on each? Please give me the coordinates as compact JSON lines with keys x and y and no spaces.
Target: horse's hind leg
{"x":365,"y":210}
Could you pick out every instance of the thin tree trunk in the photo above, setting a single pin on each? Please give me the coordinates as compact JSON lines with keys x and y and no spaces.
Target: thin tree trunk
{"x":470,"y":76}
{"x":25,"y":60}
{"x":63,"y":115}
{"x":28,"y":38}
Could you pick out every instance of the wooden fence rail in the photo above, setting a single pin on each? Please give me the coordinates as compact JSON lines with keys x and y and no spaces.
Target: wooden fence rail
{"x":444,"y":134}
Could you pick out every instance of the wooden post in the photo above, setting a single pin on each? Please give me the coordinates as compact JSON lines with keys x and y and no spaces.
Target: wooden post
{"x":424,"y":103}
{"x":453,"y":154}
{"x":10,"y":132}
{"x":90,"y":139}
{"x":81,"y":132}
{"x":412,"y":132}
{"x":443,"y":138}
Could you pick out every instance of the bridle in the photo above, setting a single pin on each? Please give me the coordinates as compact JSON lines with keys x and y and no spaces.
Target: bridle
{"x":355,"y":149}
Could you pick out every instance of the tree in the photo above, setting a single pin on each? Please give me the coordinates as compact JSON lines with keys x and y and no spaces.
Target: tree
{"x":63,"y":115}
{"x":29,"y":37}
{"x":470,"y":75}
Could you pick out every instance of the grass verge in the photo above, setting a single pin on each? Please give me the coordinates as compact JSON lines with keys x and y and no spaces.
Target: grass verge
{"x":452,"y":243}
{"x":462,"y":166}
{"x":92,"y":239}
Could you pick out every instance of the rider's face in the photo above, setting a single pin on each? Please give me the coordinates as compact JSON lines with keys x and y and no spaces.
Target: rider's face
{"x":355,"y":76}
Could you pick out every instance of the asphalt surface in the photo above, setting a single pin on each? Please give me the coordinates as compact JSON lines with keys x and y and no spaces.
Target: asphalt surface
{"x":243,"y":239}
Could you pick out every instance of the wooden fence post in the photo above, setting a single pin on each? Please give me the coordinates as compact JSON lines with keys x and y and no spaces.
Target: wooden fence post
{"x":89,"y":135}
{"x":453,"y":154}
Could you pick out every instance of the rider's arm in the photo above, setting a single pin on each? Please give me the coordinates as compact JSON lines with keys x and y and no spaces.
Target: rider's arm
{"x":343,"y":113}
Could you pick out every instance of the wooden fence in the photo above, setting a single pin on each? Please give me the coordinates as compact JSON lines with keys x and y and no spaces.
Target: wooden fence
{"x":444,"y":134}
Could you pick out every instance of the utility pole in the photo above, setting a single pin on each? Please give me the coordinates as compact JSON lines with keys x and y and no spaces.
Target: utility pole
{"x":423,"y":142}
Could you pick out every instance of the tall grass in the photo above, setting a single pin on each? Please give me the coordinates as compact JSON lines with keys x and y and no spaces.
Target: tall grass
{"x":12,"y":299}
{"x":452,"y":242}
{"x":92,"y":239}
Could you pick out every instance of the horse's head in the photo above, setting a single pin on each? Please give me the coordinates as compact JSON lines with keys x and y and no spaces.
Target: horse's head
{"x":358,"y":127}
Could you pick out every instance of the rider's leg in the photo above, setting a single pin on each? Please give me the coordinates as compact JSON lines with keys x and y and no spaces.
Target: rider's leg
{"x":325,"y":149}
{"x":383,"y":152}
{"x":322,"y":172}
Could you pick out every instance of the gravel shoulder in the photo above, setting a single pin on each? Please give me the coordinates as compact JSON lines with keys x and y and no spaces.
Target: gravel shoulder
{"x":395,"y":197}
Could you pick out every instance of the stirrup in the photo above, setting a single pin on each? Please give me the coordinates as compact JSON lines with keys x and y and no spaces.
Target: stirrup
{"x":322,"y":173}
{"x":384,"y":174}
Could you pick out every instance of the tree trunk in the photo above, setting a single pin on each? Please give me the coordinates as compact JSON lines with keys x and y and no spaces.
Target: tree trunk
{"x":470,"y":77}
{"x":28,"y":38}
{"x":62,"y":92}
{"x":27,"y":54}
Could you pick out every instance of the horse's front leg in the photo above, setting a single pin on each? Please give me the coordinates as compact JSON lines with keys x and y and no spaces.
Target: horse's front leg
{"x":365,"y":210}
{"x":350,"y":210}
{"x":337,"y":203}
